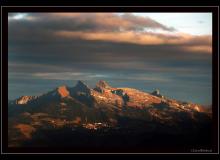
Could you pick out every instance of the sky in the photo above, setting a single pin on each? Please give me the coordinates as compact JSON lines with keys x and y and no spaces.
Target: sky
{"x":171,"y":52}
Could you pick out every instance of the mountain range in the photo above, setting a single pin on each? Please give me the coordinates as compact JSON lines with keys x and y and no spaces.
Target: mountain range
{"x":104,"y":111}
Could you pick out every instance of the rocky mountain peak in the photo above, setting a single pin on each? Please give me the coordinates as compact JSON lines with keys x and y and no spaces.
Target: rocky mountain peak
{"x":81,"y":84}
{"x":157,"y":93}
{"x":25,"y":99}
{"x":81,"y":87}
{"x":103,"y":84}
{"x":63,"y":91}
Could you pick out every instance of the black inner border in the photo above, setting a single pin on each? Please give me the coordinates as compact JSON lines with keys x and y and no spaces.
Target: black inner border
{"x":6,"y":10}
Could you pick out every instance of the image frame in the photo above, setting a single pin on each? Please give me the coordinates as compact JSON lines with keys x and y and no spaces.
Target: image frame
{"x":4,"y":62}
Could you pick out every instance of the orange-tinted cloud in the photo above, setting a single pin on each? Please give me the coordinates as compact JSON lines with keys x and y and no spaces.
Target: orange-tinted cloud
{"x":199,"y":49}
{"x":128,"y":28}
{"x":185,"y":41}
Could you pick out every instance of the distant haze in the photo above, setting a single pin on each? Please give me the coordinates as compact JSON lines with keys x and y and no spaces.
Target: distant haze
{"x":171,"y":52}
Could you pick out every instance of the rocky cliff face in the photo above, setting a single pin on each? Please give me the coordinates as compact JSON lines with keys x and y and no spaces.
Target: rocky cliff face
{"x":25,"y":99}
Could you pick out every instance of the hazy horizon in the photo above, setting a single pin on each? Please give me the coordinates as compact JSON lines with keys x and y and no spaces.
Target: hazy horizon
{"x":171,"y":52}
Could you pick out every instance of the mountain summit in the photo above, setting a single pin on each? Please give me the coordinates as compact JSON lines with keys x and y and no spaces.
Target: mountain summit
{"x":103,"y":84}
{"x":81,"y":86}
{"x":25,"y":99}
{"x":63,"y":91}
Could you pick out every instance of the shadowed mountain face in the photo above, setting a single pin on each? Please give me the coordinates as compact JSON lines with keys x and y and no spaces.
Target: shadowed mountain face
{"x":105,"y":116}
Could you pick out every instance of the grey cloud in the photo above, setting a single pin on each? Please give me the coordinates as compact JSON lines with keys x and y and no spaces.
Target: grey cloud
{"x":89,"y":22}
{"x":95,"y":56}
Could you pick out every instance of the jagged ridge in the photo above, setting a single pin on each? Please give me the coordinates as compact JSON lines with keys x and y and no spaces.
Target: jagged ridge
{"x":101,"y":107}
